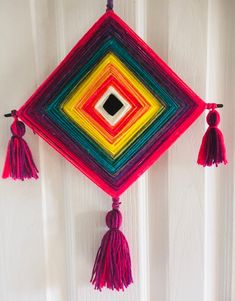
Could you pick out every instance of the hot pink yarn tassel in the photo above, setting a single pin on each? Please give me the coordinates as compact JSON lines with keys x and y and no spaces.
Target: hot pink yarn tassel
{"x":112,"y":266}
{"x":212,"y":150}
{"x":19,"y":163}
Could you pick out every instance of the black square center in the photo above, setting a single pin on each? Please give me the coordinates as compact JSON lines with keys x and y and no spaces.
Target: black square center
{"x":112,"y":105}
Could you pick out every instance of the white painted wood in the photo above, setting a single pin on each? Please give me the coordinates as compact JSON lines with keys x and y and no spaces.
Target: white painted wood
{"x":219,"y":254}
{"x":187,"y":56}
{"x":22,"y":271}
{"x":157,"y":38}
{"x":178,"y":218}
{"x":231,"y":96}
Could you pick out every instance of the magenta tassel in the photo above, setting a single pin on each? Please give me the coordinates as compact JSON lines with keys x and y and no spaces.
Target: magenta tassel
{"x":112,"y":266}
{"x":19,"y":163}
{"x":212,"y":150}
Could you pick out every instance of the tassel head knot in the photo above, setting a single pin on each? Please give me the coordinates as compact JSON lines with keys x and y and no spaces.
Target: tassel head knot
{"x":213,"y":118}
{"x":114,"y":219}
{"x":18,"y":128}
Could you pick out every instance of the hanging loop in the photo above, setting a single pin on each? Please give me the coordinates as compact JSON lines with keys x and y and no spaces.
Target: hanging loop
{"x":109,"y":5}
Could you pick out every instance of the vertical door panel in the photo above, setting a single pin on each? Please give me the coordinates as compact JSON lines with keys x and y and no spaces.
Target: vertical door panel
{"x":22,"y":270}
{"x":187,"y":42}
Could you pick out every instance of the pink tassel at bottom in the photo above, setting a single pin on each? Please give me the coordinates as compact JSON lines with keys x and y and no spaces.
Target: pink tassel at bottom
{"x":212,"y":150}
{"x":19,"y":163}
{"x":112,"y":266}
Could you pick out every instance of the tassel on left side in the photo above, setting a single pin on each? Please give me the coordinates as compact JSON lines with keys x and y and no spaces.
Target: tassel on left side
{"x":112,"y":266}
{"x":19,"y":163}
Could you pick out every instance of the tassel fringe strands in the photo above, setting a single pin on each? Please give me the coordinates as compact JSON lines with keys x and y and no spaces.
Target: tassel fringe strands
{"x":112,"y":266}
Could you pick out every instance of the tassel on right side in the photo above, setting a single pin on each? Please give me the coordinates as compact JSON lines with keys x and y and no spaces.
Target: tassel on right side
{"x":212,"y":150}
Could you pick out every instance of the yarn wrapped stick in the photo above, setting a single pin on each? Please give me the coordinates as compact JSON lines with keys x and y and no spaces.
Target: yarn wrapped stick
{"x":19,"y":163}
{"x":112,"y":266}
{"x":212,"y":150}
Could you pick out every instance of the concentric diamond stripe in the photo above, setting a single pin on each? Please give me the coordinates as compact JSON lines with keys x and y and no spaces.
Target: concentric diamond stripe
{"x":127,"y":120}
{"x":118,"y":145}
{"x":140,"y":107}
{"x":112,"y":106}
{"x":143,"y":102}
{"x":110,"y":165}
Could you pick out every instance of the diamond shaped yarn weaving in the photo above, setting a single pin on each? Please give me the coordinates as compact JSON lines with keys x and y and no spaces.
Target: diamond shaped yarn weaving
{"x":112,"y":106}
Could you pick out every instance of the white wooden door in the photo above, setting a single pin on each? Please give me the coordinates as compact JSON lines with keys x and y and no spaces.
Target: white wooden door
{"x":178,"y":217}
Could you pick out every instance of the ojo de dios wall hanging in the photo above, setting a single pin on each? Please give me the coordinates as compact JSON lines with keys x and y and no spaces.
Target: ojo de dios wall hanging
{"x":111,"y":108}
